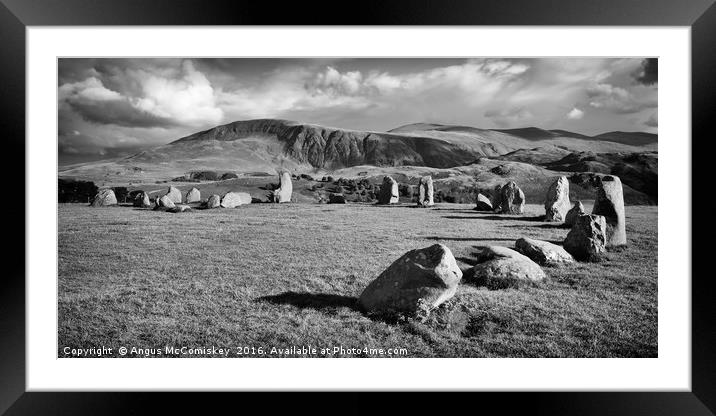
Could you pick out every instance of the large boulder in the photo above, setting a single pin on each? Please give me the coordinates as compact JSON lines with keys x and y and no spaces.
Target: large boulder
{"x":556,"y":203}
{"x":420,"y":279}
{"x":587,"y":239}
{"x":105,"y":197}
{"x":425,"y":191}
{"x":512,"y":199}
{"x":336,"y":199}
{"x":483,"y":203}
{"x":501,"y":267}
{"x":234,"y":199}
{"x":389,"y":193}
{"x":193,"y":195}
{"x":572,"y":214}
{"x":163,"y":202}
{"x":214,"y":201}
{"x":285,"y":189}
{"x":543,"y":252}
{"x":174,"y":195}
{"x":610,"y":204}
{"x":141,"y":200}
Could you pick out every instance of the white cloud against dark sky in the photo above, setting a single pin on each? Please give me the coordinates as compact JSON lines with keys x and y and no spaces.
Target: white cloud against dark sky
{"x":114,"y":107}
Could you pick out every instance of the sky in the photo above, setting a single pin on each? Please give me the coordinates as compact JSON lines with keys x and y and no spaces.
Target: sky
{"x":115,"y":107}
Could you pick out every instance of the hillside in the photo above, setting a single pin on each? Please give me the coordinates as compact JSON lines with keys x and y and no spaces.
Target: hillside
{"x":260,"y":147}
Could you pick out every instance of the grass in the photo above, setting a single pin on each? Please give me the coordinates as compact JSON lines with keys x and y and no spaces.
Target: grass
{"x":267,"y":275}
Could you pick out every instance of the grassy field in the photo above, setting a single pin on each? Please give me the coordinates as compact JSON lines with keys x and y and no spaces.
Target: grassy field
{"x":264,"y":276}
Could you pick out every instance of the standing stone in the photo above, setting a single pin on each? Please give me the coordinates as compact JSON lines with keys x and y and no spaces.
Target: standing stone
{"x":174,"y":195}
{"x":556,"y":203}
{"x":501,"y":268}
{"x":425,"y":192}
{"x":141,"y":200}
{"x":285,"y":189}
{"x":543,"y":252}
{"x":214,"y":201}
{"x":193,"y":195}
{"x":179,"y":208}
{"x":512,"y":199}
{"x":164,"y":202}
{"x":234,"y":199}
{"x":610,"y":204}
{"x":388,"y":191}
{"x":587,"y":238}
{"x":572,"y":214}
{"x":483,"y":203}
{"x":496,"y":198}
{"x":420,"y":279}
{"x":104,"y":197}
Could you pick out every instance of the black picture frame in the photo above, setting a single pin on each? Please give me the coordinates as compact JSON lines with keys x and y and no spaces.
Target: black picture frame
{"x":16,"y":15}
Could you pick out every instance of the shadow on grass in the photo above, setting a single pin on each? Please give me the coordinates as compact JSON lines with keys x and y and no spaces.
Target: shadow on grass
{"x":306,"y":300}
{"x":436,"y":238}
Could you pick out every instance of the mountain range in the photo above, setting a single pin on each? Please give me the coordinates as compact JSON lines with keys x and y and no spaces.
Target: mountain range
{"x":265,"y":145}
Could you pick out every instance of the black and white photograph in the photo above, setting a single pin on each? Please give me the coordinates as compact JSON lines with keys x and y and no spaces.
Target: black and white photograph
{"x":337,"y":207}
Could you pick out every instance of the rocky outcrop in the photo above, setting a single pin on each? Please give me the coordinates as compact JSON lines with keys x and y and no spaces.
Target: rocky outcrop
{"x":610,"y":204}
{"x":512,"y":199}
{"x":192,"y":195}
{"x":543,"y":252}
{"x":421,"y":279}
{"x":500,"y":267}
{"x":425,"y":192}
{"x":556,"y":202}
{"x":587,"y":239}
{"x":234,"y":199}
{"x":389,"y":193}
{"x":105,"y":197}
{"x":285,"y":190}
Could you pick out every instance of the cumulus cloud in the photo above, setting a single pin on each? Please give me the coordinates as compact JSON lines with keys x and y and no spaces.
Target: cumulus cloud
{"x":652,"y":121}
{"x":619,"y":99}
{"x":120,"y":104}
{"x":575,"y":114}
{"x":183,"y":97}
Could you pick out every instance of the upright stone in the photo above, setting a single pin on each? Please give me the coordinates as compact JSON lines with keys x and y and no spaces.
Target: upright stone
{"x":495,"y":196}
{"x":283,"y":193}
{"x":105,"y":197}
{"x":420,"y":279}
{"x":389,"y":193}
{"x":214,"y":201}
{"x":556,"y":203}
{"x":174,"y":195}
{"x":587,"y":238}
{"x":425,"y":191}
{"x":234,"y":199}
{"x":512,"y":199}
{"x":610,"y":204}
{"x":193,"y":195}
{"x":572,"y":214}
{"x":141,"y":200}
